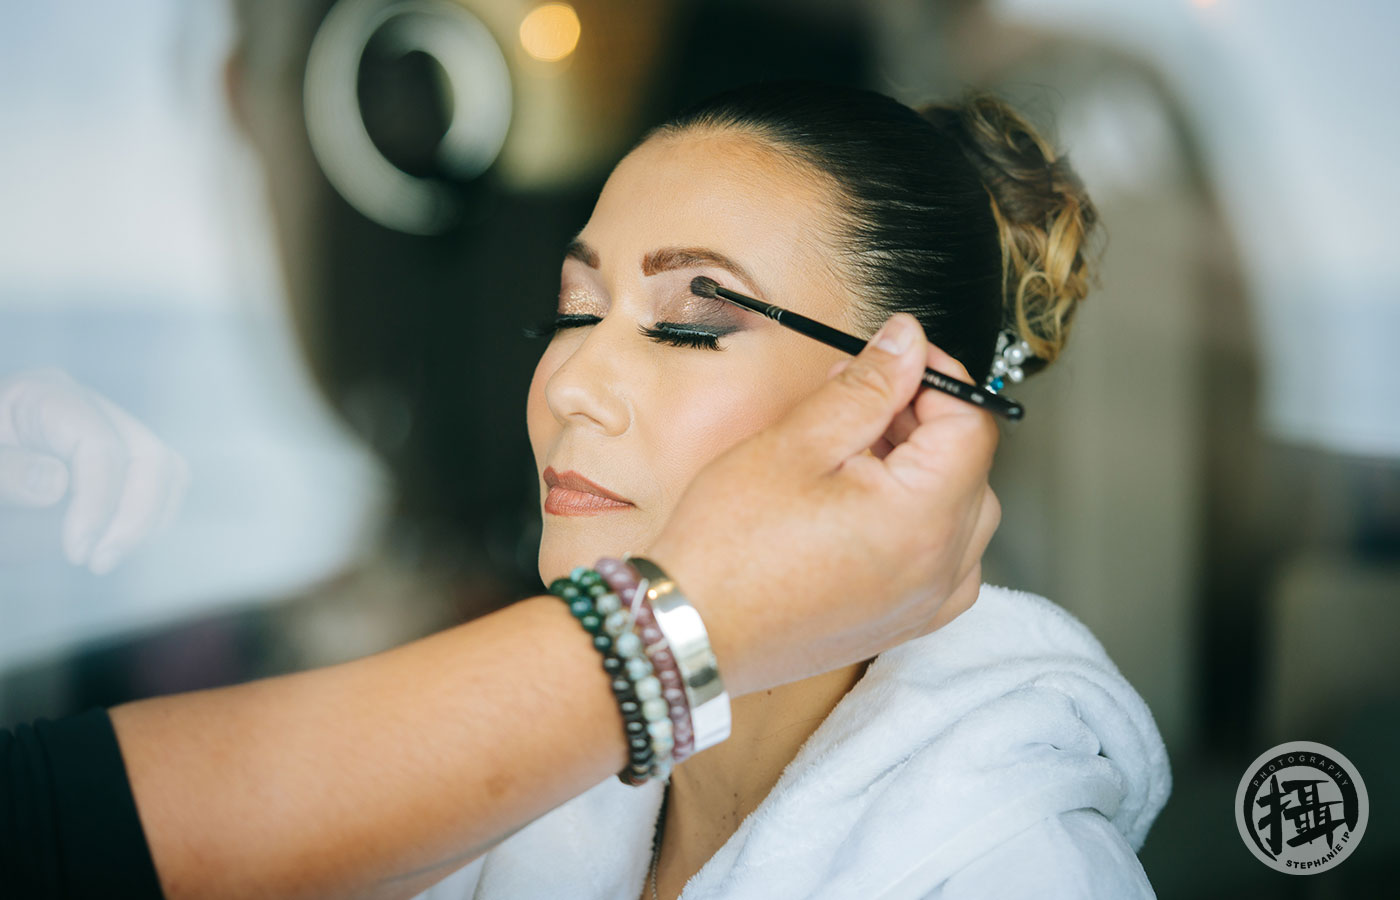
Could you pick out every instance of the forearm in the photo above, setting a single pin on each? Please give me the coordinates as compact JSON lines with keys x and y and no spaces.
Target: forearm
{"x":366,"y":778}
{"x":354,"y":780}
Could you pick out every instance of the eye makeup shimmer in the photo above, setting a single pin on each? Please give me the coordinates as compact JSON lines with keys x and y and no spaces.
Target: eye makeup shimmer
{"x":706,"y":313}
{"x":682,"y":318}
{"x":579,"y":301}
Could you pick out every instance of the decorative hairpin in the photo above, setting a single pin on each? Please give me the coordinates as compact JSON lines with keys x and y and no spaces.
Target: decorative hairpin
{"x":1006,"y":364}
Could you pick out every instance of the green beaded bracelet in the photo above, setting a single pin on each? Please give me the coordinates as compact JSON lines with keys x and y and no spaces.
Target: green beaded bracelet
{"x":581,"y":591}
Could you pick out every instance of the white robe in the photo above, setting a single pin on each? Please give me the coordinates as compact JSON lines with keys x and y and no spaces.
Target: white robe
{"x":1002,"y":756}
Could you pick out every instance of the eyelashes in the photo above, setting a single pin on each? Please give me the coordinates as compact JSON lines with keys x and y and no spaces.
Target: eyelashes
{"x":673,"y":333}
{"x":682,"y":336}
{"x":560,"y":322}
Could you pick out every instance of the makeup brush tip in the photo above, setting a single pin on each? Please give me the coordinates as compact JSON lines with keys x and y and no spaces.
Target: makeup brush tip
{"x":703,"y":286}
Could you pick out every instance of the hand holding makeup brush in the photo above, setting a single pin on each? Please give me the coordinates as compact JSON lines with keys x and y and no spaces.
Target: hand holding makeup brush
{"x":891,"y":540}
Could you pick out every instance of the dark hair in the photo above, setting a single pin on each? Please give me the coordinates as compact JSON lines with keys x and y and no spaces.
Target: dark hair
{"x":959,"y":214}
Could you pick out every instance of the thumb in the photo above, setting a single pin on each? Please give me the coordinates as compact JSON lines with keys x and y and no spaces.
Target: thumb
{"x":31,"y":479}
{"x":852,"y":410}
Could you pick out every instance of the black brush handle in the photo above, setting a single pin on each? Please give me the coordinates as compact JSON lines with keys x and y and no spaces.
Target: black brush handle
{"x":853,"y":345}
{"x":977,"y":396}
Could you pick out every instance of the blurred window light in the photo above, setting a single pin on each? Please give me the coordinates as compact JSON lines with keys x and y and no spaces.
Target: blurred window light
{"x":136,"y":254}
{"x":1291,"y":102}
{"x":101,"y":200}
{"x":550,"y":32}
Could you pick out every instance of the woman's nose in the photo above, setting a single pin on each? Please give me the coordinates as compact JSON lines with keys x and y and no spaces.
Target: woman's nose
{"x":590,"y":388}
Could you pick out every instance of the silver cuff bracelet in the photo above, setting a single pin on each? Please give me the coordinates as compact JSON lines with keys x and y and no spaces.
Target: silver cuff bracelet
{"x":690,"y":645}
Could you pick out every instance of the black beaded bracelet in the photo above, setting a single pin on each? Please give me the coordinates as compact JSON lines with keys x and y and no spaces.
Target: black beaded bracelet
{"x":581,"y":590}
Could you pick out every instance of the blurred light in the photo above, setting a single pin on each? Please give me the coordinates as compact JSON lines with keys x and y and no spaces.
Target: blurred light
{"x":1203,"y":4}
{"x":550,"y":32}
{"x":480,"y":88}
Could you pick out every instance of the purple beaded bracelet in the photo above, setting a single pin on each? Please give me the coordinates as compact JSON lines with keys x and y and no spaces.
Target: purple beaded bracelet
{"x":624,"y":580}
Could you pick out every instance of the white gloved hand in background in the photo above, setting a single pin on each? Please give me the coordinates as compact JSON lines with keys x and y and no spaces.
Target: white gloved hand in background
{"x":59,"y":439}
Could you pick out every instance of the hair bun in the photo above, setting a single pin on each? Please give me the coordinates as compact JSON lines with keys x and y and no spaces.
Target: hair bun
{"x":1043,"y":214}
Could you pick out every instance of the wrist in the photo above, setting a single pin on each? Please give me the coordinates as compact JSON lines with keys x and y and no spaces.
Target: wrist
{"x":717,"y":606}
{"x":680,"y":629}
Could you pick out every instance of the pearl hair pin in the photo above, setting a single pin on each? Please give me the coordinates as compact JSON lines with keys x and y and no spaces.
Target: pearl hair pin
{"x":1011,"y":354}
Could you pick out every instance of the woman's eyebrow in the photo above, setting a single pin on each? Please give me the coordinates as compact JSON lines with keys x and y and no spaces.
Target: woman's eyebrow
{"x":668,"y":259}
{"x":580,"y":251}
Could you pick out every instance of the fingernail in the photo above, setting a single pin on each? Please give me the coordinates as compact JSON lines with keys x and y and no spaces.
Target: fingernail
{"x":896,"y":336}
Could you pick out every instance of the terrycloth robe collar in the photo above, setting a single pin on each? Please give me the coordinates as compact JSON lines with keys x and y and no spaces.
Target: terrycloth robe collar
{"x":947,"y":746}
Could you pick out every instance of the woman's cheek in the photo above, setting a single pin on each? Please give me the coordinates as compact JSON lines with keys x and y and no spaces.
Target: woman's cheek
{"x":705,"y":420}
{"x":750,"y":400}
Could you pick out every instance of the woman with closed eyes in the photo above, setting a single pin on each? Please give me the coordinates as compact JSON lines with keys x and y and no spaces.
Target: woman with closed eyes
{"x":1000,"y":756}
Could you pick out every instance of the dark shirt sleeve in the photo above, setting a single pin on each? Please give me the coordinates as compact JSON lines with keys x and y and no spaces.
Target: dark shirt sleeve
{"x":68,"y":821}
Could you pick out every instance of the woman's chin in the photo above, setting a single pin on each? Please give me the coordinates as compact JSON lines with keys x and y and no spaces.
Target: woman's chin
{"x":560,"y":552}
{"x":561,"y":558}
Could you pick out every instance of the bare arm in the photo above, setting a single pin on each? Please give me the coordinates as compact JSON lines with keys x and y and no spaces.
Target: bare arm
{"x":380,"y":776}
{"x":511,"y":715}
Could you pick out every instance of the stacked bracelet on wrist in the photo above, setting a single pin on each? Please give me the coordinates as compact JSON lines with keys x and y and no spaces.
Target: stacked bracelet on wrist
{"x":689,"y":644}
{"x":661,"y":665}
{"x":600,"y":613}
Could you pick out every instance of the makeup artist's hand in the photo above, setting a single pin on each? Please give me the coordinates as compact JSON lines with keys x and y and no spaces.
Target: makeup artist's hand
{"x":58,"y":438}
{"x":804,"y":553}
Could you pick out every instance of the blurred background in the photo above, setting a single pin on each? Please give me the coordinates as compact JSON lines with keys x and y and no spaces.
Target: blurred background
{"x":1209,"y":479}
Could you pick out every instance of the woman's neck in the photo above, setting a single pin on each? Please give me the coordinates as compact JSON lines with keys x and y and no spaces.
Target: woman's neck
{"x":712,"y":793}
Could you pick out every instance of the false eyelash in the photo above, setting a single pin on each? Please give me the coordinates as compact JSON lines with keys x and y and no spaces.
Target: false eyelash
{"x":664,"y":332}
{"x":680,"y":336}
{"x":558,"y":323}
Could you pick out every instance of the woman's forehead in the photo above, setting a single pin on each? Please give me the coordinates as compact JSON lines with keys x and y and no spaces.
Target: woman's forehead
{"x":722,"y":191}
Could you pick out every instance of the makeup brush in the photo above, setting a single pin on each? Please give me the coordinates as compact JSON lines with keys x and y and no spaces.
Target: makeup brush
{"x":702,"y":286}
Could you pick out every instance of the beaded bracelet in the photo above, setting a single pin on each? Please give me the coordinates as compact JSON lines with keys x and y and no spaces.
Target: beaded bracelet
{"x":645,"y":716}
{"x":645,"y":689}
{"x":689,"y":643}
{"x":624,"y":580}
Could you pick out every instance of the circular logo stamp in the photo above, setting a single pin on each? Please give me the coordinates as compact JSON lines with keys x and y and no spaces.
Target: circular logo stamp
{"x":1301,"y":808}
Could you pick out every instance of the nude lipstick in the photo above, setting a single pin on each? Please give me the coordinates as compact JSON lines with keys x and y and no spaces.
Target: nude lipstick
{"x":570,"y":494}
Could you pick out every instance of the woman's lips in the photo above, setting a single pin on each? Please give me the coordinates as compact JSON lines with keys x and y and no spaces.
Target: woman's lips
{"x":570,"y":494}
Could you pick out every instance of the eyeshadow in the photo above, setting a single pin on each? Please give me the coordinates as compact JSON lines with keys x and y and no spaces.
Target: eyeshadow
{"x":707,"y":312}
{"x":580,"y":302}
{"x":679,"y":311}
